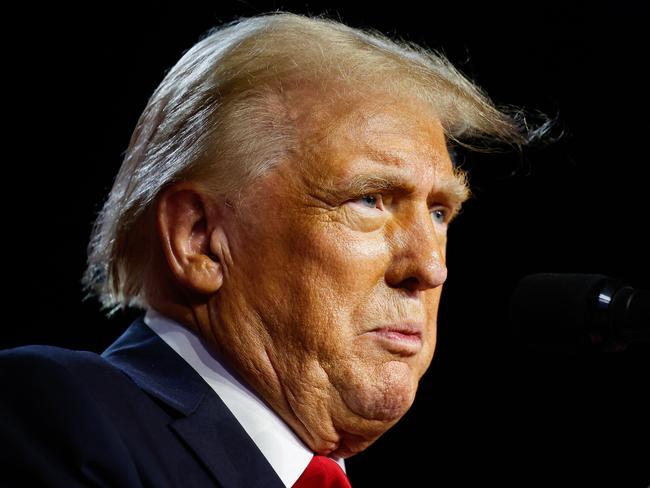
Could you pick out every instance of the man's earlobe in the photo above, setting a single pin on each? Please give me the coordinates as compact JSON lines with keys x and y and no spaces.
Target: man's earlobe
{"x":203,"y":274}
{"x":187,"y":221}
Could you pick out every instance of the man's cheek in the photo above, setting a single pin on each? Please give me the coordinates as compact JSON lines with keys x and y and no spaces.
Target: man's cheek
{"x":355,"y":257}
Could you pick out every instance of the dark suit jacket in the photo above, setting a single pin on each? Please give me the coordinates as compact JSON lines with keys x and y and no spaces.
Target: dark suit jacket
{"x":138,"y":415}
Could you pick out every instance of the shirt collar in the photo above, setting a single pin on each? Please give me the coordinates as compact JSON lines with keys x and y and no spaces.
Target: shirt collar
{"x":284,"y":451}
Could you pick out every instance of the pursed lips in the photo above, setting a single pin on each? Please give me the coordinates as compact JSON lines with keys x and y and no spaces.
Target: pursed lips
{"x":403,"y":338}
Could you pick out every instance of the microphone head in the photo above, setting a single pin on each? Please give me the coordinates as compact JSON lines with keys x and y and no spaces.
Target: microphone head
{"x":551,"y":309}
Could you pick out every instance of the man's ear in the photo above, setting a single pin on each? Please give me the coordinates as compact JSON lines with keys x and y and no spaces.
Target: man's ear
{"x":190,"y":230}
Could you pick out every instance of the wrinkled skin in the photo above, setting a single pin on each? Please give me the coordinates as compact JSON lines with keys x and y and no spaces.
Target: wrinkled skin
{"x":323,"y":295}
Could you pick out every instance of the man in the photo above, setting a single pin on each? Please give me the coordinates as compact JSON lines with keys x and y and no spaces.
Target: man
{"x":281,"y":214}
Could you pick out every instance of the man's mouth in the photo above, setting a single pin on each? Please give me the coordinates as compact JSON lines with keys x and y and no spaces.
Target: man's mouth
{"x":404,"y":338}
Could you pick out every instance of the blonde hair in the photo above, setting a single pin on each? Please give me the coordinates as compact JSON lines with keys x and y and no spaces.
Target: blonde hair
{"x":214,"y":118}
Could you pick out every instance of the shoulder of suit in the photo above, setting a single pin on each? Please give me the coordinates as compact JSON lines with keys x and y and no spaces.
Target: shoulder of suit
{"x":49,"y":362}
{"x":58,"y":416}
{"x":48,"y":374}
{"x":36,"y":356}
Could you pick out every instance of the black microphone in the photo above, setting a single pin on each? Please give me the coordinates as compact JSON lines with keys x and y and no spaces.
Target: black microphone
{"x":551,"y":309}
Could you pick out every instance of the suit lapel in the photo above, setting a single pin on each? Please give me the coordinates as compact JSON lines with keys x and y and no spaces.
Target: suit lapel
{"x":235,"y":459}
{"x":205,"y":423}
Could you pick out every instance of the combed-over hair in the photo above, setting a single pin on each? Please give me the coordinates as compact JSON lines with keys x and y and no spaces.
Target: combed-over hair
{"x":212,"y":119}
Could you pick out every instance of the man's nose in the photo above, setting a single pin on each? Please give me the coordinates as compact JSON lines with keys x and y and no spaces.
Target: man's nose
{"x":418,"y":255}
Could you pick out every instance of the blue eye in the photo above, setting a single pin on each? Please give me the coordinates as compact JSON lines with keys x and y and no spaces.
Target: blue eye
{"x":369,"y":200}
{"x":439,"y":216}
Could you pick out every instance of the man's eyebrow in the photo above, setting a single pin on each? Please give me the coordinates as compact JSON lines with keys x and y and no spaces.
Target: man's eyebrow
{"x":362,"y":183}
{"x":453,"y":189}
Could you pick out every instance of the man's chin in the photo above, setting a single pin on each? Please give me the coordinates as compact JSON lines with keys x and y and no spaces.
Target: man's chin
{"x":372,"y":400}
{"x":372,"y":417}
{"x":385,"y":395}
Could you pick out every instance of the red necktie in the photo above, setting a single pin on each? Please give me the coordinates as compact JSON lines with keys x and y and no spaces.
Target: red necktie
{"x":322,"y":472}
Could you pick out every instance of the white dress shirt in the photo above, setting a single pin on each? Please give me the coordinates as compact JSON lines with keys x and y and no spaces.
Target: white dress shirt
{"x":284,"y":451}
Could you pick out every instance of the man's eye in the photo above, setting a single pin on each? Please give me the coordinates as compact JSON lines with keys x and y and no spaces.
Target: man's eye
{"x":439,"y":215}
{"x":370,"y":201}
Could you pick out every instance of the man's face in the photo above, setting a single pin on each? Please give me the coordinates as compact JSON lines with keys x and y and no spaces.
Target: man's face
{"x":338,"y":260}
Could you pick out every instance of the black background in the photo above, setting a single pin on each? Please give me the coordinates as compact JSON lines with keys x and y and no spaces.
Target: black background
{"x":489,"y":410}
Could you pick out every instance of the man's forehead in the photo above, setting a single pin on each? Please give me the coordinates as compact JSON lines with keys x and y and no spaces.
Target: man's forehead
{"x":373,"y":134}
{"x":321,"y":111}
{"x":398,"y":146}
{"x":398,"y":119}
{"x":434,"y":158}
